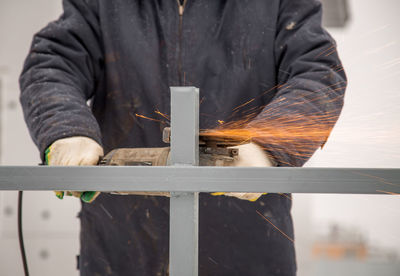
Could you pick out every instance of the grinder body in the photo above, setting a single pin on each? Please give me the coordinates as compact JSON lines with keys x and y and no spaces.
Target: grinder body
{"x":208,"y":156}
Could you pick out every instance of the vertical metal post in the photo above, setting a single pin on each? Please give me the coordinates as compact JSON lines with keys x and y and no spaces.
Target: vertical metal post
{"x":184,"y":207}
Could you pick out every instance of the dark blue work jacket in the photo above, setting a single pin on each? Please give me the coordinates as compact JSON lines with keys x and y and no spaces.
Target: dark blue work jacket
{"x":124,"y":55}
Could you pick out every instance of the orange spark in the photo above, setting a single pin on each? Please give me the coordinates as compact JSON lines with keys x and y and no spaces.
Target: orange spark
{"x":262,"y":94}
{"x":285,"y":195}
{"x":286,"y":125}
{"x":331,"y":52}
{"x":385,"y":192}
{"x":246,"y":103}
{"x":148,"y":118}
{"x":221,"y":122}
{"x":292,"y":131}
{"x":323,"y":52}
{"x":162,"y":114}
{"x":380,"y":179}
{"x":283,"y":233}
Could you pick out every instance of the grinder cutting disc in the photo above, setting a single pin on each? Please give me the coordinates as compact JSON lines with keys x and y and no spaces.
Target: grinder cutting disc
{"x":210,"y":140}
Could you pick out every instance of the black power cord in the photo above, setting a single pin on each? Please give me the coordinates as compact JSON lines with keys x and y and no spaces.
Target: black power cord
{"x":20,"y":236}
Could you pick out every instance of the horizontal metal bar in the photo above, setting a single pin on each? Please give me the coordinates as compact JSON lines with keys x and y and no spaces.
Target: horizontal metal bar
{"x":202,"y":179}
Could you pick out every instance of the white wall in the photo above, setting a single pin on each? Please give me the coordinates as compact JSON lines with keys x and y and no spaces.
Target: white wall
{"x":368,"y":132}
{"x":50,"y":225}
{"x":367,"y":135}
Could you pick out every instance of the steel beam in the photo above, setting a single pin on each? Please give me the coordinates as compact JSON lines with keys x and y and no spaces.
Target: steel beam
{"x":202,"y":179}
{"x":184,"y":207}
{"x":184,"y":126}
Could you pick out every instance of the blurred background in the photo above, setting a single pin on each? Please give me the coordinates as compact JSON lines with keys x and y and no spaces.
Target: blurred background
{"x":335,"y":234}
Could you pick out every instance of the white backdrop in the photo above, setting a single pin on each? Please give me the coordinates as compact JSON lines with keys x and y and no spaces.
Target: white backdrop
{"x":367,"y":135}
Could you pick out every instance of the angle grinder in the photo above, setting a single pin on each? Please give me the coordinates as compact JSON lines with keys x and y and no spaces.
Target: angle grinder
{"x":213,"y":151}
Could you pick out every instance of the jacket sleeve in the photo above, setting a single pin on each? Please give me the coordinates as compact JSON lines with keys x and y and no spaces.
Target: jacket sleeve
{"x":60,"y":75}
{"x":311,"y":86}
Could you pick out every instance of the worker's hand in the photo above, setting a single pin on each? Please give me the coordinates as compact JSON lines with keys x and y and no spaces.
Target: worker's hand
{"x":250,"y":155}
{"x":75,"y":151}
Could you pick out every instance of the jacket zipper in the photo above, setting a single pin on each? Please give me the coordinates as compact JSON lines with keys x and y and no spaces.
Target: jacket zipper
{"x":181,"y":7}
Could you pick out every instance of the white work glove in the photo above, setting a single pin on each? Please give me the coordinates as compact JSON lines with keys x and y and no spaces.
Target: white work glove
{"x":250,"y":155}
{"x":75,"y":151}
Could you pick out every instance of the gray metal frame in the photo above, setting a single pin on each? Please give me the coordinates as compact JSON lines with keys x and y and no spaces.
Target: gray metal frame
{"x":202,"y":179}
{"x":184,"y":180}
{"x":184,"y":207}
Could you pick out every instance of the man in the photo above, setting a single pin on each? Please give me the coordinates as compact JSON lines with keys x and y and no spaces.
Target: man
{"x":124,"y":55}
